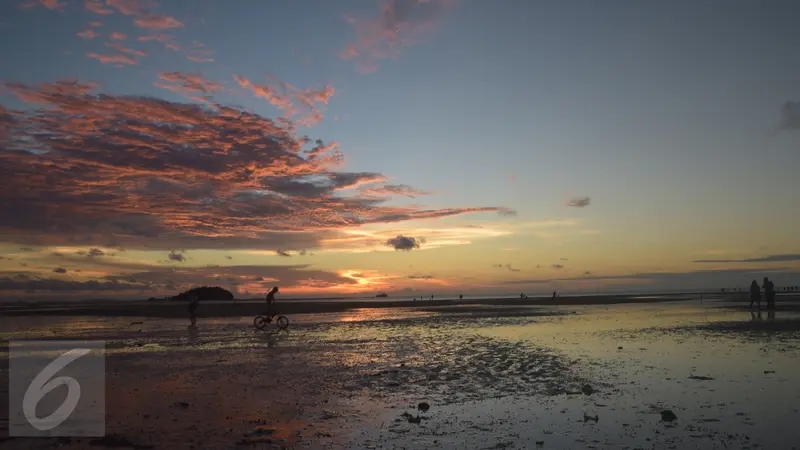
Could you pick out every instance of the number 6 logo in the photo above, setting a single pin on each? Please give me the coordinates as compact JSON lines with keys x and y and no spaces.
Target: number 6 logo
{"x":38,"y":389}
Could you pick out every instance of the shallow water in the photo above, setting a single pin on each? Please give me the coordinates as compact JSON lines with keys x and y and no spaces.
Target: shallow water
{"x":494,"y":377}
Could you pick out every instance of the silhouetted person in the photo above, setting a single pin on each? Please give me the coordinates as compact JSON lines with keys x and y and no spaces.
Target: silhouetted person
{"x":555,"y":294}
{"x":755,"y":294}
{"x":753,"y":315}
{"x":194,"y":303}
{"x":461,"y":296}
{"x":771,"y":314}
{"x":271,"y":301}
{"x":769,"y":292}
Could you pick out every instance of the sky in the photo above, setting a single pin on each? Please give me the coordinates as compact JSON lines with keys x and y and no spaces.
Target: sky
{"x":413,"y":147}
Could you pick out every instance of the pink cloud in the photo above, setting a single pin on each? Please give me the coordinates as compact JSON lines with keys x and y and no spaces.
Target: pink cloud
{"x":96,"y":6}
{"x":168,"y":41}
{"x":188,"y":85}
{"x":53,"y":5}
{"x":87,"y":34}
{"x":290,"y":99}
{"x":401,"y":23}
{"x":118,"y":36}
{"x":112,"y":59}
{"x":127,"y":51}
{"x":156,"y":22}
{"x":95,"y":24}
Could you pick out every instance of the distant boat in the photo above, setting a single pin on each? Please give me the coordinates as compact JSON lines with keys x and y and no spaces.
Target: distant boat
{"x":382,"y":295}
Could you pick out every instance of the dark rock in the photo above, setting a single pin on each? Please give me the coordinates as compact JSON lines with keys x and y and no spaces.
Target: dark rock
{"x":136,"y":323}
{"x":769,"y":371}
{"x":668,"y":416}
{"x":204,"y":293}
{"x":181,"y":404}
{"x":700,"y":377}
{"x":424,"y":407}
{"x":587,"y":390}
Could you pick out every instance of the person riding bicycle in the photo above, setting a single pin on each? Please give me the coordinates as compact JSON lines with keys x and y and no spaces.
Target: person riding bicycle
{"x":271,"y":301}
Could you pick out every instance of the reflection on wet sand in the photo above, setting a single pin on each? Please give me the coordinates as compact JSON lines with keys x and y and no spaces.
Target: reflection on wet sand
{"x":490,"y":377}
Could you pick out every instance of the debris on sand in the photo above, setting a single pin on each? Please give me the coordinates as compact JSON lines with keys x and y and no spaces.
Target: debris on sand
{"x":260,"y":435}
{"x":668,"y":416}
{"x":136,"y":323}
{"x":540,"y":443}
{"x":769,"y":371}
{"x":181,"y":404}
{"x":116,"y":441}
{"x":587,"y":418}
{"x":411,"y":418}
{"x":587,"y":390}
{"x":424,"y":407}
{"x":700,"y":377}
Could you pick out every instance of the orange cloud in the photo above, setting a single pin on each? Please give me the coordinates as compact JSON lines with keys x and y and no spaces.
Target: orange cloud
{"x":96,"y":6}
{"x":188,"y":84}
{"x":118,"y":36}
{"x":112,"y":59}
{"x":400,"y":24}
{"x":289,"y":99}
{"x":141,"y":172}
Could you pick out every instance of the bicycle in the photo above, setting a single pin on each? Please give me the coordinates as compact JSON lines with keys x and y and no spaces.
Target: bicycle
{"x":260,"y":322}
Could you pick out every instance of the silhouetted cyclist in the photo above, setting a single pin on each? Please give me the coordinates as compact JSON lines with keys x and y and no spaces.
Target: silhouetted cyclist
{"x":271,"y":301}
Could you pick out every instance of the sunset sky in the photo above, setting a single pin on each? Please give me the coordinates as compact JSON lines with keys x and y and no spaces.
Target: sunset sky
{"x":406,"y":146}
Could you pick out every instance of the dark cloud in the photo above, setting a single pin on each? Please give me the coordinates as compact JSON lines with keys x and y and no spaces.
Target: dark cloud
{"x":674,"y":281}
{"x":175,"y":256}
{"x":95,"y":252}
{"x":26,"y":249}
{"x":557,"y":266}
{"x":401,"y":242}
{"x":771,"y":258}
{"x":202,"y":176}
{"x":57,"y":254}
{"x":56,"y":285}
{"x":587,"y":273}
{"x":507,"y":212}
{"x":579,"y":202}
{"x":283,"y":253}
{"x":506,"y":266}
{"x":790,"y":116}
{"x":229,"y":257}
{"x":420,"y":277}
{"x":60,"y":270}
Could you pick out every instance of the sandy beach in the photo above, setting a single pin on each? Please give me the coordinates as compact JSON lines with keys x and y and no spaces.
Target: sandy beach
{"x":495,"y":377}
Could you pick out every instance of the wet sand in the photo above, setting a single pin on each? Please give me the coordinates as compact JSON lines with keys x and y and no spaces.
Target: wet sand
{"x":494,"y":377}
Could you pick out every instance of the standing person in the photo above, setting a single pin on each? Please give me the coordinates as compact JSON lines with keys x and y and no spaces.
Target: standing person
{"x":554,"y":295}
{"x":769,"y":292}
{"x":271,"y":301}
{"x":755,"y":294}
{"x":194,"y":302}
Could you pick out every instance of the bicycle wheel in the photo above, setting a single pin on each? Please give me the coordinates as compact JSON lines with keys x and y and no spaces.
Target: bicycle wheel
{"x":260,"y":322}
{"x":283,"y":322}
